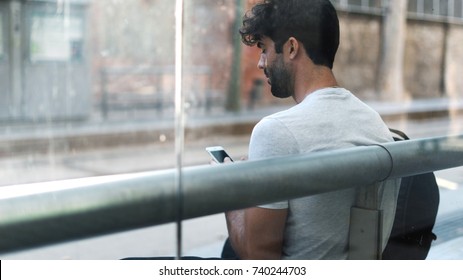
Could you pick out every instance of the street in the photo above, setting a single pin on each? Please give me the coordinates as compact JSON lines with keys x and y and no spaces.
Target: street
{"x":198,"y":239}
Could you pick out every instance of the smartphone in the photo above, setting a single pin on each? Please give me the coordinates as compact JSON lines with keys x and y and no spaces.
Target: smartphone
{"x":218,"y":153}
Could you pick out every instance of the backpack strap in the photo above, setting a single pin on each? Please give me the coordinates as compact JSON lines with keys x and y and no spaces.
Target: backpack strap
{"x":400,"y":133}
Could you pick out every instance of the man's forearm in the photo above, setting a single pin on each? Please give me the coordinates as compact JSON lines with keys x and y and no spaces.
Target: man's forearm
{"x":235,"y":226}
{"x":256,"y":233}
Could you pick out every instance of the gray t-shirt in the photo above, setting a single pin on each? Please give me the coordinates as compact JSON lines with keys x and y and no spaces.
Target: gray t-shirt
{"x":332,"y":118}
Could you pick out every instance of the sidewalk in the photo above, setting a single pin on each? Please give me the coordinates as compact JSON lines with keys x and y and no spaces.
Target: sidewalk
{"x":21,"y":138}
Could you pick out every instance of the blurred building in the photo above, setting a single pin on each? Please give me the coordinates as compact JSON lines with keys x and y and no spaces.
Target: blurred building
{"x":67,"y":59}
{"x":433,"y":57}
{"x":44,"y":60}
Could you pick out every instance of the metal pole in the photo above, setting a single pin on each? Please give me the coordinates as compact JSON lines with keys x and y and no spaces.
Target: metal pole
{"x":179,"y":120}
{"x":59,"y":211}
{"x":421,"y":156}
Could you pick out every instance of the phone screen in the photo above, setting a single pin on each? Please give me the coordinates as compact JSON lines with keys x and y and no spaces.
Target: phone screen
{"x":220,"y":155}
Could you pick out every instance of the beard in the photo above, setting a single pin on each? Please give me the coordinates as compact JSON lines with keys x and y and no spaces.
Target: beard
{"x":281,"y":78}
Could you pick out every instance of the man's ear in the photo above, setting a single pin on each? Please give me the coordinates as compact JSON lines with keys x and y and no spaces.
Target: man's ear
{"x":294,"y":47}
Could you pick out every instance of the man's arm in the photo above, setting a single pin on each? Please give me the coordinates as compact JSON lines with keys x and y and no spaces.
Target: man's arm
{"x":257,"y":233}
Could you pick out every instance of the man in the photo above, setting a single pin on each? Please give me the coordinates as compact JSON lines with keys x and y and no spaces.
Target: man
{"x":299,"y":40}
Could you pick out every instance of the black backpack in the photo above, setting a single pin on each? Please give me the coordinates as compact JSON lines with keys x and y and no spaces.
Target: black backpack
{"x":416,"y":212}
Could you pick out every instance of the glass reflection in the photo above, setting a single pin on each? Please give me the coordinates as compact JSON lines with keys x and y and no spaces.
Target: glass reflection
{"x":88,"y":89}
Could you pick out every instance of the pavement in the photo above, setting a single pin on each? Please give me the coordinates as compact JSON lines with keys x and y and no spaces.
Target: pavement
{"x":95,"y":135}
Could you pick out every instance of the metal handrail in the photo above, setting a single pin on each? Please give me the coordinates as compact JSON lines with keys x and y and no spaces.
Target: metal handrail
{"x":46,"y":213}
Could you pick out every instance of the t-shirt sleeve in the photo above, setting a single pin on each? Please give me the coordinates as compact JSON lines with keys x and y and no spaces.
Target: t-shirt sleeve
{"x":271,"y":138}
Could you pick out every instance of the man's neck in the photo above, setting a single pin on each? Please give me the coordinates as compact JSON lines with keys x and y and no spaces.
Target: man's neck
{"x":318,"y":78}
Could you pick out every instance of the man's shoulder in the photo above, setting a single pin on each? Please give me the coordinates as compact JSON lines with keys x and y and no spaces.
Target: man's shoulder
{"x":277,"y":117}
{"x":272,"y":122}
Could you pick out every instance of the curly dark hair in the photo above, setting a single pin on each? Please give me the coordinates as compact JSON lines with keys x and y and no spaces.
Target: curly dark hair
{"x":312,"y":22}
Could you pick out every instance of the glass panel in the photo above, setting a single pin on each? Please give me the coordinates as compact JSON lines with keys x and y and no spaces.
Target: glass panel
{"x":97,"y":98}
{"x":212,"y":94}
{"x":93,"y":93}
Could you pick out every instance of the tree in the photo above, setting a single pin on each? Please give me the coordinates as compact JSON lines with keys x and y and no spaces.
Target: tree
{"x":390,"y":84}
{"x":233,"y":92}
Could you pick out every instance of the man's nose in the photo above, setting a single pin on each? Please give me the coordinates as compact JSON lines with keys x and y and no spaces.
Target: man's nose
{"x":261,"y":63}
